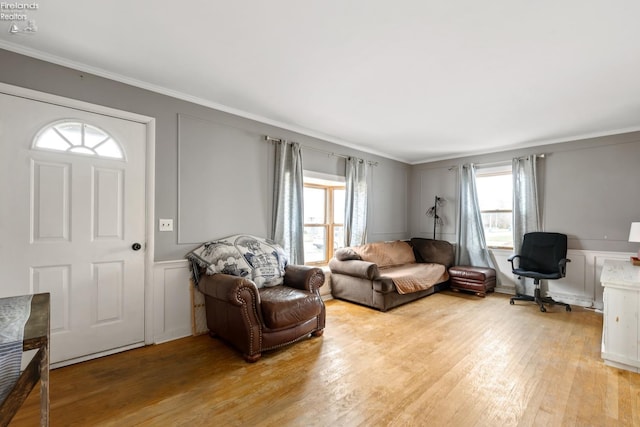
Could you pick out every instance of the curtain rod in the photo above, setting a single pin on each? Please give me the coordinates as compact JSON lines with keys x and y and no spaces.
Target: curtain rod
{"x":331,"y":153}
{"x":502,"y":162}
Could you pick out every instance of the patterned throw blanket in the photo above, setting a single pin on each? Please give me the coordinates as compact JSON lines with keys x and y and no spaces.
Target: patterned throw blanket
{"x":258,"y":259}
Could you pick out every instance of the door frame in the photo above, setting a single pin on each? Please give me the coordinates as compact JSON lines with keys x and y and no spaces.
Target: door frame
{"x":150,"y":125}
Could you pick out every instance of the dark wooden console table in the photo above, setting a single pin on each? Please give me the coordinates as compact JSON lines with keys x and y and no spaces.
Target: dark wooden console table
{"x":36,"y":336}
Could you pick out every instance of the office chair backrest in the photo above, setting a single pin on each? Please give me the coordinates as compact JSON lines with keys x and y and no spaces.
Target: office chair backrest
{"x":541,"y":252}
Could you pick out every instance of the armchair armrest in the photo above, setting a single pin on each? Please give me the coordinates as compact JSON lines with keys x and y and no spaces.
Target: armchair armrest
{"x":357,"y":268}
{"x":303,"y":277}
{"x":232,"y":289}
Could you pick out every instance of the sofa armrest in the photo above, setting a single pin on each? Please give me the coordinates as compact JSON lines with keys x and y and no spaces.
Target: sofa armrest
{"x":357,"y":268}
{"x":232,"y":289}
{"x":304,"y":277}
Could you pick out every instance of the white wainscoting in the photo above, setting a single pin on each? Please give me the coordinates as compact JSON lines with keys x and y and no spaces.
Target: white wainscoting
{"x":581,"y":286}
{"x":172,"y":301}
{"x":325,"y":290}
{"x":178,"y":314}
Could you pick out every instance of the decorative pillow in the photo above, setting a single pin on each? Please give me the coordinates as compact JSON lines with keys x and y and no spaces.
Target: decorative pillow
{"x":346,"y":254}
{"x":258,"y":259}
{"x":386,"y":254}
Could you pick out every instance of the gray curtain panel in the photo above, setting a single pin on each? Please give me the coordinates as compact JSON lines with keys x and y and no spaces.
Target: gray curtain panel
{"x":355,"y":218}
{"x":288,"y":222}
{"x":526,"y":211}
{"x":526,"y":215}
{"x":472,"y":247}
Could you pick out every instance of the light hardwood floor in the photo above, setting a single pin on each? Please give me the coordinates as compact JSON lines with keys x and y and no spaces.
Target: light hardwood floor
{"x":446,"y":360}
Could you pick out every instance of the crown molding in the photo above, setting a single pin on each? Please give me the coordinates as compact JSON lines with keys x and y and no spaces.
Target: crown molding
{"x":44,"y":56}
{"x":64,"y":62}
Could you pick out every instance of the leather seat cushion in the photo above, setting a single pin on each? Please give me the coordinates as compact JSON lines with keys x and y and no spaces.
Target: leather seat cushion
{"x":472,"y":274}
{"x":283,"y":307}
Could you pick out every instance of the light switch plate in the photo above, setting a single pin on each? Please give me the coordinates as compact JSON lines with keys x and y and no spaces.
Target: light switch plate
{"x":165,"y":225}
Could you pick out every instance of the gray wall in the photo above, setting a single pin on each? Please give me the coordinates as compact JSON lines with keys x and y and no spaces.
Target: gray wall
{"x":588,"y":190}
{"x":223,"y":152}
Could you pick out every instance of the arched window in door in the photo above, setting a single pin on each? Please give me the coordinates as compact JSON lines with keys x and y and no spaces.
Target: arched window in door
{"x":77,"y":137}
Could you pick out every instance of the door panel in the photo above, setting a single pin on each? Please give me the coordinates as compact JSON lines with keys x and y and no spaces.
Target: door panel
{"x":54,"y":280}
{"x":67,"y":222}
{"x":108,"y":209}
{"x":50,"y":202}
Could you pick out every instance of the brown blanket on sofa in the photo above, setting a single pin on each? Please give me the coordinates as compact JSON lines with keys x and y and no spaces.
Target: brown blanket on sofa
{"x":415,"y":277}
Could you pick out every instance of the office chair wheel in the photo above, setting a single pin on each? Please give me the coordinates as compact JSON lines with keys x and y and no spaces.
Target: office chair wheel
{"x":511,"y":302}
{"x":542,"y":309}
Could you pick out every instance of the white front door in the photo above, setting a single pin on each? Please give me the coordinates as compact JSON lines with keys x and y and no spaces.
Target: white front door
{"x":71,"y":212}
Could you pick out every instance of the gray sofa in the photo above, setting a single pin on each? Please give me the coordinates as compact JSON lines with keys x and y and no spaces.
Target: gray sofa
{"x":363,"y":274}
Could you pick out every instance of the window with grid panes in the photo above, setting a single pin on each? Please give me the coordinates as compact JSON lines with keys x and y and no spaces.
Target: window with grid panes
{"x":323,"y":221}
{"x":495,"y":197}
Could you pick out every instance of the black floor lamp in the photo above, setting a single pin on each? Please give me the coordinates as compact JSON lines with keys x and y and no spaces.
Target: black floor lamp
{"x":432,"y":212}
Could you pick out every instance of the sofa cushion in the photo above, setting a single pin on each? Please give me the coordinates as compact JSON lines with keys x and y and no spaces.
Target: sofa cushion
{"x":436,"y":251}
{"x":416,"y":277}
{"x":283,"y":307}
{"x":255,"y":258}
{"x":386,"y":254}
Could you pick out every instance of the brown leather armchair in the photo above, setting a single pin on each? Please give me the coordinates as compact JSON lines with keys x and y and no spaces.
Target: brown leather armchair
{"x":254,"y":320}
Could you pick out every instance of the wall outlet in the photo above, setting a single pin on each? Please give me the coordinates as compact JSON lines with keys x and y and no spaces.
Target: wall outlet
{"x":165,"y":225}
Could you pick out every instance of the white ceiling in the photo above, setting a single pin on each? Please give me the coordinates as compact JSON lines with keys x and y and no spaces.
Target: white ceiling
{"x":413,"y":80}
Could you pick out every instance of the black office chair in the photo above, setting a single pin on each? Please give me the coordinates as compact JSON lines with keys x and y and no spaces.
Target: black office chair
{"x":543,"y":257}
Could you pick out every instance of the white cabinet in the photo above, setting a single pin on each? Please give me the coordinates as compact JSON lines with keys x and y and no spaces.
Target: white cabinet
{"x":621,"y":328}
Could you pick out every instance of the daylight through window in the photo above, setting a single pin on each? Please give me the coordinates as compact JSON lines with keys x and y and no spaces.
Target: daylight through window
{"x":323,"y":221}
{"x":78,"y":138}
{"x":495,"y":194}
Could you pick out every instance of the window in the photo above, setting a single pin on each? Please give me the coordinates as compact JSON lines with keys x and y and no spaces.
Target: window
{"x":78,"y":138}
{"x":495,"y":194}
{"x":323,"y":219}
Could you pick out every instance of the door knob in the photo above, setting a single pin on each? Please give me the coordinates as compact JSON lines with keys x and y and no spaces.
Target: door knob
{"x":136,"y":246}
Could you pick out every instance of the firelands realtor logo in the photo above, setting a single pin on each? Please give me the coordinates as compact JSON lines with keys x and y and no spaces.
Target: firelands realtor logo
{"x":19,"y":14}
